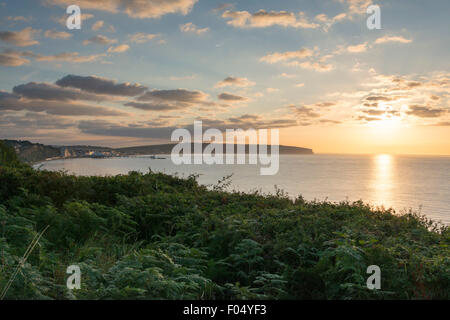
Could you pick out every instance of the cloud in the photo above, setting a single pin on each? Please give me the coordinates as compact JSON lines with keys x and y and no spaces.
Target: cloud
{"x":119,"y":49}
{"x":388,"y":96}
{"x":23,"y":38}
{"x":174,"y":99}
{"x":140,"y":9}
{"x":97,"y":25}
{"x":222,"y":7}
{"x":57,"y":34}
{"x":304,"y":112}
{"x":287,"y":75}
{"x":327,"y":121}
{"x":178,"y":95}
{"x":155,"y":130}
{"x":368,"y":119}
{"x":73,"y":57}
{"x":288,"y":55}
{"x":425,"y":111}
{"x":10,"y":58}
{"x":387,"y":39}
{"x":158,"y":129}
{"x":328,"y":22}
{"x":192,"y":28}
{"x":234,"y":82}
{"x":357,"y":7}
{"x":63,"y":19}
{"x":100,"y":85}
{"x":14,"y":102}
{"x":374,"y":112}
{"x":443,"y":124}
{"x":17,"y":58}
{"x":263,"y":19}
{"x":18,"y":18}
{"x":141,"y":37}
{"x":231,"y":97}
{"x":156,"y":106}
{"x":99,"y":39}
{"x":357,"y":48}
{"x":317,"y":66}
{"x":296,"y":59}
{"x":104,"y":128}
{"x":378,"y":98}
{"x":33,"y":125}
{"x":47,"y":91}
{"x":326,"y":104}
{"x":252,"y":121}
{"x":33,"y":120}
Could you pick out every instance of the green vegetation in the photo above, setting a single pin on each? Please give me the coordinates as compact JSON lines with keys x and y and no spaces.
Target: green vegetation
{"x":154,"y":236}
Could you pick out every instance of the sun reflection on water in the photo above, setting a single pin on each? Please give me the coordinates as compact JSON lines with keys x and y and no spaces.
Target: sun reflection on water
{"x":383,"y":181}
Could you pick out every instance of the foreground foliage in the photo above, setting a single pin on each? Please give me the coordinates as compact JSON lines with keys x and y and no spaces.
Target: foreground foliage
{"x":154,"y":236}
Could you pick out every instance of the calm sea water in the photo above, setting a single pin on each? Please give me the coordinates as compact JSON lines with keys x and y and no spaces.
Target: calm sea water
{"x":401,"y":182}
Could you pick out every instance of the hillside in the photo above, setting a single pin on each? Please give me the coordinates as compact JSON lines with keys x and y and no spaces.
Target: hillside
{"x":167,"y":149}
{"x":33,"y":152}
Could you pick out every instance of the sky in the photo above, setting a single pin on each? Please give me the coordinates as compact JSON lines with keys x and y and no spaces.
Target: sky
{"x":136,"y":70}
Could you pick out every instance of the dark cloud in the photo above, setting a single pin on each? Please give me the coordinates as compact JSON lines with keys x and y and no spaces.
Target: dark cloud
{"x":234,"y":82}
{"x":368,"y":119}
{"x":100,"y":39}
{"x":153,"y":129}
{"x":34,"y":120}
{"x":178,"y":95}
{"x":9,"y":101}
{"x":155,"y":106}
{"x":23,"y":38}
{"x":326,"y":121}
{"x":174,"y":99}
{"x":12,"y":59}
{"x":425,"y":112}
{"x":103,"y":128}
{"x":325,"y":104}
{"x":99,"y":85}
{"x":248,"y":121}
{"x":230,"y":97}
{"x":46,"y":91}
{"x":378,"y":98}
{"x":304,"y":112}
{"x":374,"y":112}
{"x":413,"y":84}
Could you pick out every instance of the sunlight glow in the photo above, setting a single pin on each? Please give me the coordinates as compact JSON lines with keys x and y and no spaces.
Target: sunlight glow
{"x":383,"y":180}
